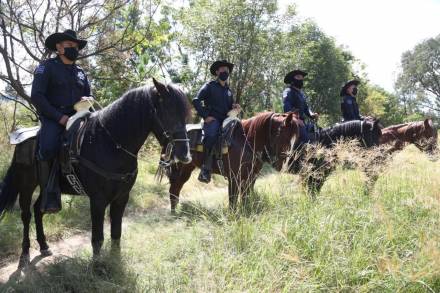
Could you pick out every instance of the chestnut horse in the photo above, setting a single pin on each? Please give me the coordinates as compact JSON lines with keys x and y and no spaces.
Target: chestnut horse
{"x":367,"y":132}
{"x":270,"y":138}
{"x":420,"y":133}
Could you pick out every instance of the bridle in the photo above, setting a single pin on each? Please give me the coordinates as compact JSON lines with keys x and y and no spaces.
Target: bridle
{"x":166,"y":133}
{"x":269,"y":151}
{"x":169,"y":136}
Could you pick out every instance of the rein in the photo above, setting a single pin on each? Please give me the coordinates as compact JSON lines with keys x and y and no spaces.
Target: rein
{"x":171,"y":141}
{"x":126,"y":176}
{"x":268,"y":152}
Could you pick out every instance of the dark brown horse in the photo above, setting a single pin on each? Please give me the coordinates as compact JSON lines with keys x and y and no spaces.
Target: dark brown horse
{"x":270,"y":137}
{"x":112,"y":140}
{"x":314,"y":166}
{"x":420,"y":133}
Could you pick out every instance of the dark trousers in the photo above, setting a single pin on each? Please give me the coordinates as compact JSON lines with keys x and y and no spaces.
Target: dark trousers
{"x":303,"y":134}
{"x":50,"y":136}
{"x":211,"y":133}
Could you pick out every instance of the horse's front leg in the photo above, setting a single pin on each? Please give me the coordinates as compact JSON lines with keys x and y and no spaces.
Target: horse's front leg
{"x":25,"y":206}
{"x":117,"y":208}
{"x":41,"y":238}
{"x":97,"y":211}
{"x":233,"y":192}
{"x":178,"y":177}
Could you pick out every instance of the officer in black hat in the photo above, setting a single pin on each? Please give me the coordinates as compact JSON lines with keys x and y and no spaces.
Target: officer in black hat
{"x":212,"y":103}
{"x":294,"y":100}
{"x":58,"y":84}
{"x":349,"y":106}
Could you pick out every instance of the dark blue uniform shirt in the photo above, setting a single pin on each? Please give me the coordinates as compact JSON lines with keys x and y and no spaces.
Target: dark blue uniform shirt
{"x":295,"y":100}
{"x":57,"y":87}
{"x":350,"y":108}
{"x":214,"y":100}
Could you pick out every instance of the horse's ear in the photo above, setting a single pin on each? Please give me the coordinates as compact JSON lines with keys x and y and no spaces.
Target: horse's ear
{"x":161,"y":88}
{"x":428,"y":123}
{"x":288,"y":119}
{"x":378,"y":124}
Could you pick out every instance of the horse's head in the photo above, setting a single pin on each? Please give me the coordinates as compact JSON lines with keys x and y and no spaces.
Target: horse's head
{"x":274,"y":135}
{"x":426,"y":136}
{"x":171,"y":112}
{"x":287,"y":138}
{"x":371,"y":131}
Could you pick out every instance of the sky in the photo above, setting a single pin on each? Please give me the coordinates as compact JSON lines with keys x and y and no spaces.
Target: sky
{"x":377,"y":32}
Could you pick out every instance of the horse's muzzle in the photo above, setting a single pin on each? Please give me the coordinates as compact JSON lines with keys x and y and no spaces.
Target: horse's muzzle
{"x":183,"y":159}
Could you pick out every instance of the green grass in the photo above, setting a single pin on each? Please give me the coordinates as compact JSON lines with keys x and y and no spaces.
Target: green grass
{"x":345,"y":240}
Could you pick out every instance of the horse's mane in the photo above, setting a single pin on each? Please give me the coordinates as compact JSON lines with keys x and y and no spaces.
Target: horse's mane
{"x":408,"y":124}
{"x":349,"y":128}
{"x":257,"y":122}
{"x":140,"y":98}
{"x":181,"y":99}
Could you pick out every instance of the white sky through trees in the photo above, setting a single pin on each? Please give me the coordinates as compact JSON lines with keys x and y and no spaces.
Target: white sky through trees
{"x":376,"y":31}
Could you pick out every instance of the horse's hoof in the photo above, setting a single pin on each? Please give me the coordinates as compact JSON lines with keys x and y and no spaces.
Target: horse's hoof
{"x":116,"y":243}
{"x":46,"y":252}
{"x":25,"y":261}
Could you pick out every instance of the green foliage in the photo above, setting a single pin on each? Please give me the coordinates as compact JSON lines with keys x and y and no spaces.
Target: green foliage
{"x":419,"y":81}
{"x":150,"y":35}
{"x":381,"y":104}
{"x":328,"y":66}
{"x":264,"y":46}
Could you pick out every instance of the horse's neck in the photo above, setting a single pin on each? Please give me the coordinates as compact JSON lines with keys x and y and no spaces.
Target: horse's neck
{"x":261,"y":136}
{"x":328,"y":136}
{"x":127,"y":122}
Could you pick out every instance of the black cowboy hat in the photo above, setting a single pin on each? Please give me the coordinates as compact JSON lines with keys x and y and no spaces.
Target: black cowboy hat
{"x":67,"y":35}
{"x":219,"y":63}
{"x":289,"y":76}
{"x":347,"y":84}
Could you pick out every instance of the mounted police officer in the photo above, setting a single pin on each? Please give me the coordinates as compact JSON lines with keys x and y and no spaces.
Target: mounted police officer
{"x":294,"y":100}
{"x":58,"y":84}
{"x":349,"y":106}
{"x":213,"y":102}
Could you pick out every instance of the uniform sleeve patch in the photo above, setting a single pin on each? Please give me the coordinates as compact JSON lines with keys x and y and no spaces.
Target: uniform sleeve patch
{"x":40,"y":69}
{"x":81,"y":75}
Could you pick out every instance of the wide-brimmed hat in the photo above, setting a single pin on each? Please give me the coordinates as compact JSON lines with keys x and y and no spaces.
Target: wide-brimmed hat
{"x":67,"y":35}
{"x":289,"y":76}
{"x":347,"y":85}
{"x":219,"y":63}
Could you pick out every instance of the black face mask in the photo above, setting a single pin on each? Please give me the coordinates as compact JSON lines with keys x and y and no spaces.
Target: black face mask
{"x":298,"y":83}
{"x":354,"y":92}
{"x":71,"y":53}
{"x":223,"y":76}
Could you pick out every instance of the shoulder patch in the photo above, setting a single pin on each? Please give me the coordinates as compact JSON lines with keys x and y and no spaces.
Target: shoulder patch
{"x":40,"y":69}
{"x":229,"y":93}
{"x":81,"y":75}
{"x":286,"y":92}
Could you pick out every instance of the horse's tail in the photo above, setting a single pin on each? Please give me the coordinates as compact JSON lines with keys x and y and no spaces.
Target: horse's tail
{"x":8,"y":190}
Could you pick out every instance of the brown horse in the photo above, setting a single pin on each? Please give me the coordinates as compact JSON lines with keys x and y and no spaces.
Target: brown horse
{"x":270,"y":138}
{"x":420,"y":133}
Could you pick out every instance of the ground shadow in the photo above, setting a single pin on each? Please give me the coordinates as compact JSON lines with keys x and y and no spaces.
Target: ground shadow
{"x":107,"y":273}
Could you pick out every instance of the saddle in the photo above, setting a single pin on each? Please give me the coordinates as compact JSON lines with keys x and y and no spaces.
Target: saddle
{"x":69,"y":150}
{"x":195,"y":135}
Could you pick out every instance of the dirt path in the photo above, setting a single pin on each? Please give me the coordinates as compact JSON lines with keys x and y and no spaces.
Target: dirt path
{"x":71,"y":246}
{"x":64,"y":248}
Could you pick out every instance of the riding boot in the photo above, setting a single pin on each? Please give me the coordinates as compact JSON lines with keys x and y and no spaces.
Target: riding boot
{"x":205,"y":172}
{"x":49,"y":187}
